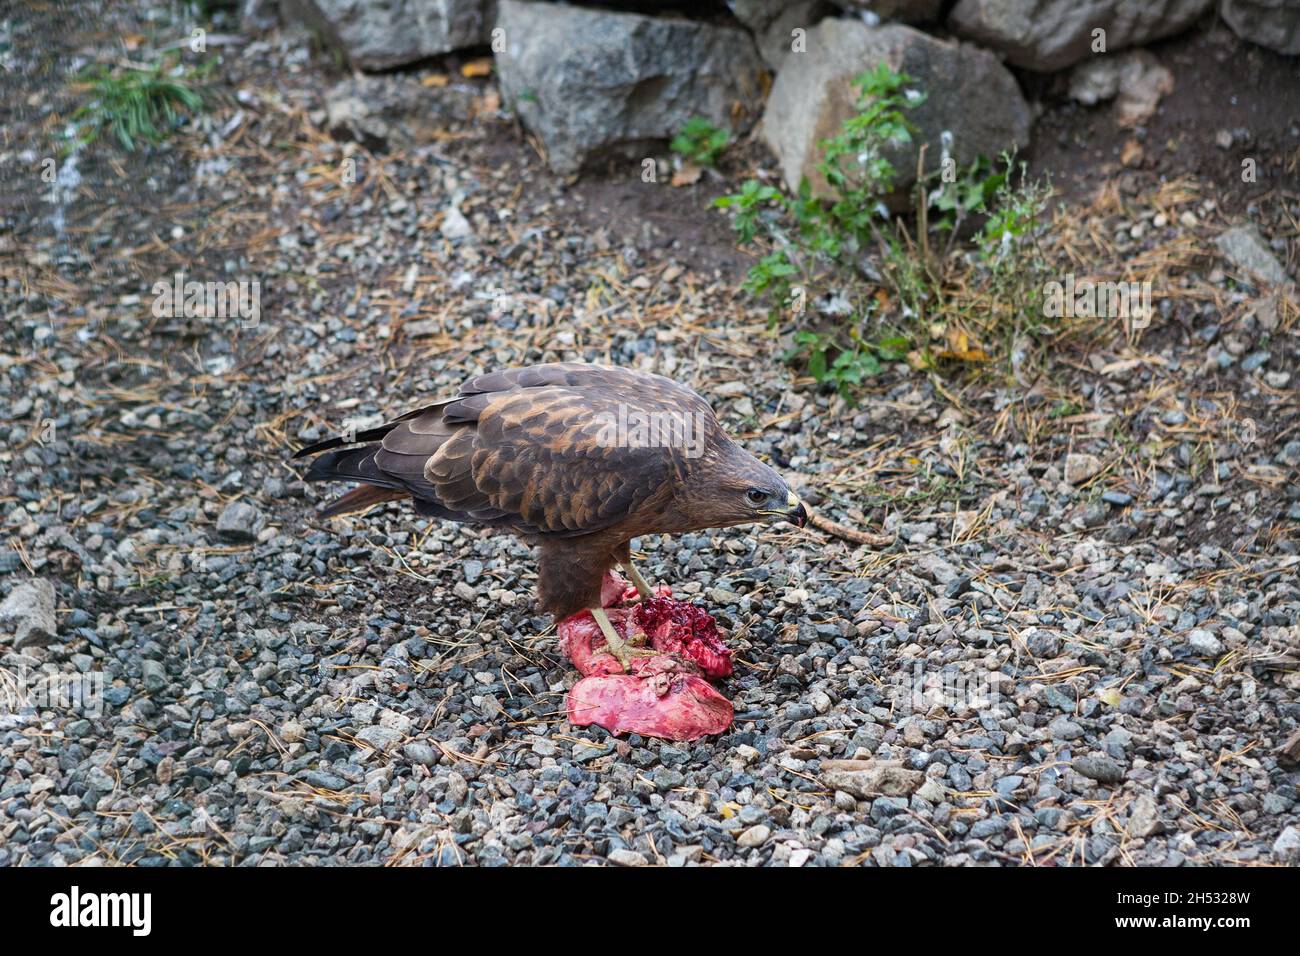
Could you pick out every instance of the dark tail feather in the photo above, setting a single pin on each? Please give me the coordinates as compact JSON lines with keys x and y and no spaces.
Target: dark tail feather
{"x":358,"y":499}
{"x":350,"y":464}
{"x":355,"y":464}
{"x":370,"y":434}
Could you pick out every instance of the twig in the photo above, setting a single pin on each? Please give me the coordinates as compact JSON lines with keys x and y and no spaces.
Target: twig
{"x":846,"y":533}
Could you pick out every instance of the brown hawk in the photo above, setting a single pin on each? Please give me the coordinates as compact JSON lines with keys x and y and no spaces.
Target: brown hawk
{"x":578,"y":459}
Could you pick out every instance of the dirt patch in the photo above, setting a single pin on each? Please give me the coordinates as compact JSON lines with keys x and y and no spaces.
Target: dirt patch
{"x":1221,"y":83}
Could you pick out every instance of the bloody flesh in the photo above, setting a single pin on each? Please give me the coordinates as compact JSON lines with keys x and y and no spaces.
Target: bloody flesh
{"x":666,"y":695}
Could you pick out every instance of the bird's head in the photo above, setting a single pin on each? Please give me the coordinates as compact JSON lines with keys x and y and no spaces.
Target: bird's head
{"x":732,"y":487}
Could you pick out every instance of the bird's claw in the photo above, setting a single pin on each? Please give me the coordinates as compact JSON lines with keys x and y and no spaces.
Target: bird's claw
{"x":625,"y":651}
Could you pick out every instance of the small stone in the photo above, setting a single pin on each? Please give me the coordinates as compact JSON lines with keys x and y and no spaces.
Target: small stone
{"x":99,"y":779}
{"x":754,"y":836}
{"x":931,"y":791}
{"x":686,"y":854}
{"x":240,"y":522}
{"x":1246,"y":249}
{"x":1255,"y":360}
{"x":1099,"y":768}
{"x":454,"y":224}
{"x":1063,"y":728}
{"x":28,"y":613}
{"x":1079,"y":467}
{"x":1143,"y":817}
{"x":324,"y":780}
{"x":1286,"y":848}
{"x":1205,"y":644}
{"x":154,"y":675}
{"x":886,"y":779}
{"x":585,"y":753}
{"x":457,"y":788}
{"x":421,"y":753}
{"x":958,"y":586}
{"x":381,"y":738}
{"x":622,"y":857}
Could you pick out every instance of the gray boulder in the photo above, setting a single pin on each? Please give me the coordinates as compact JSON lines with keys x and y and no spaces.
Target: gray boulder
{"x":1135,"y":78}
{"x":1047,"y":35}
{"x":590,"y":82}
{"x":773,"y":23}
{"x":381,"y":34}
{"x":1271,"y":23}
{"x":970,"y":95}
{"x":28,"y":614}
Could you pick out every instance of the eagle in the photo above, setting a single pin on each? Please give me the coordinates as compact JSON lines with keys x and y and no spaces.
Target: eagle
{"x":574,"y":458}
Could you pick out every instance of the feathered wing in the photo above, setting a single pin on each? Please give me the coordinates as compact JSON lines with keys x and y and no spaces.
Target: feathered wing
{"x":535,"y":449}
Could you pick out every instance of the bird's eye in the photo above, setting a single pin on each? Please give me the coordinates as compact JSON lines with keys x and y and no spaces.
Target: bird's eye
{"x":756,"y":496}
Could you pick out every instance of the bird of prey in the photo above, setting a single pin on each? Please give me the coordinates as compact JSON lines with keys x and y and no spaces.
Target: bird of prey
{"x":578,"y":459}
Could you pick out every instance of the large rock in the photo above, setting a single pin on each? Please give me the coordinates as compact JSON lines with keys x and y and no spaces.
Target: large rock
{"x":773,"y":23}
{"x":589,"y":82}
{"x":28,"y":613}
{"x":1135,"y":76}
{"x":1271,"y":23}
{"x":1047,"y":35}
{"x":970,"y":95}
{"x":381,"y":34}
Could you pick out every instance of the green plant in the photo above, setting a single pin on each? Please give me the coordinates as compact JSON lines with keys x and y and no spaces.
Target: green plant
{"x":851,"y":245}
{"x":961,"y":195}
{"x":1007,"y":249}
{"x":845,"y":367}
{"x":700,"y":142}
{"x":854,"y":161}
{"x":813,"y":243}
{"x":136,"y":105}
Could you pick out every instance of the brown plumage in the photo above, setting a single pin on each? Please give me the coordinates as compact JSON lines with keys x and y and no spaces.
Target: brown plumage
{"x":553,"y":453}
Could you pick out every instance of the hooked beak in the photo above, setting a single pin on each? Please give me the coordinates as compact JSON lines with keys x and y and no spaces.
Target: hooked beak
{"x":797,"y":515}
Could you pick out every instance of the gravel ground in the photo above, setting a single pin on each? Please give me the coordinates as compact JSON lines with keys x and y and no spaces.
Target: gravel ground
{"x":1078,"y":645}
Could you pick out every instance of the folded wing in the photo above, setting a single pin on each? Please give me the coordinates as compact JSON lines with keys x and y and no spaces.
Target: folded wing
{"x":537,"y":449}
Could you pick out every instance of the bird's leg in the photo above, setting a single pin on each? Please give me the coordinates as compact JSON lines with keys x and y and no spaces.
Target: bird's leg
{"x":621,"y":650}
{"x":642,"y":586}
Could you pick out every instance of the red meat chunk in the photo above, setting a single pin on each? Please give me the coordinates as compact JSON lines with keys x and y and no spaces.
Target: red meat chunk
{"x":666,"y":695}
